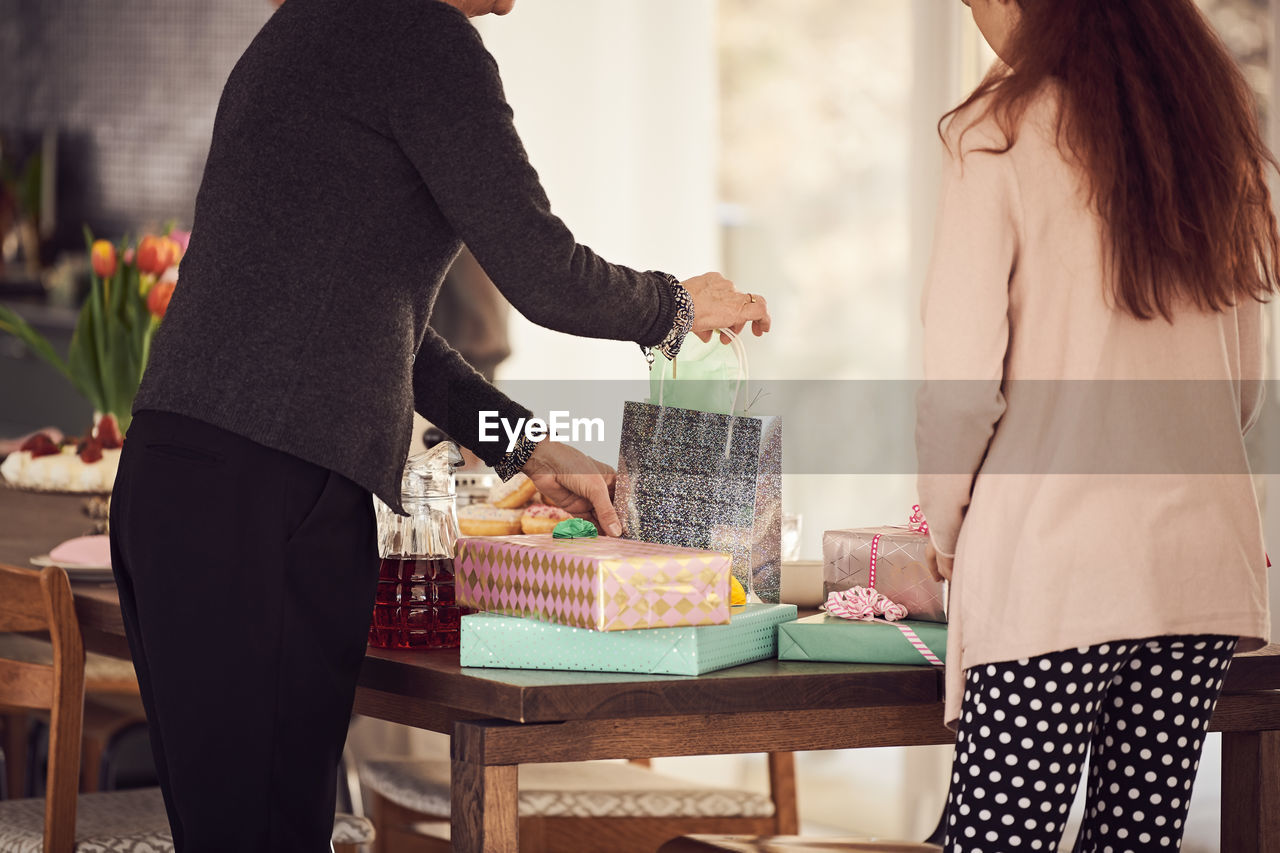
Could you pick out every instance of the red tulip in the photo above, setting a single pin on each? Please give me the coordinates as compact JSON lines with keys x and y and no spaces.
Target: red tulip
{"x":158,"y":298}
{"x":103,"y":258}
{"x":148,"y":256}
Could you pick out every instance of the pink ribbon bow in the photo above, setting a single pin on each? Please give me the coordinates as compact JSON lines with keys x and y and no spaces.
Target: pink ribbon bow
{"x":919,"y":525}
{"x":865,"y":604}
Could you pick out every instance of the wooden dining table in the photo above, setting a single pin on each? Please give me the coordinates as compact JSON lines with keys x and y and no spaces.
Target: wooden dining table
{"x":499,"y":719}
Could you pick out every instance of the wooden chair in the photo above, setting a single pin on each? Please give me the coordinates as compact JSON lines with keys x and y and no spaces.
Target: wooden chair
{"x":112,"y":706}
{"x":62,"y":821}
{"x":593,"y":806}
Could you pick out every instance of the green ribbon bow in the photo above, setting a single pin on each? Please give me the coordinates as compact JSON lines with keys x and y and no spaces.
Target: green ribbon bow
{"x":575,"y":528}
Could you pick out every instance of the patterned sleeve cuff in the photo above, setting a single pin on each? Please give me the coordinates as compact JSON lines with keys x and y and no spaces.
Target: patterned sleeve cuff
{"x":671,"y":344}
{"x":515,"y":459}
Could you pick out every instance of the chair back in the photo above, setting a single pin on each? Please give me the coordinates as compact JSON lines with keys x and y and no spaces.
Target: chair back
{"x":41,"y":601}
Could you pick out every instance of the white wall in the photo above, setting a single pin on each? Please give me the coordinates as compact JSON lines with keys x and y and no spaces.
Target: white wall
{"x":617,"y":104}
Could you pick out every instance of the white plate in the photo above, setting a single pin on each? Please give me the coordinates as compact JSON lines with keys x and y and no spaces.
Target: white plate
{"x":75,"y":571}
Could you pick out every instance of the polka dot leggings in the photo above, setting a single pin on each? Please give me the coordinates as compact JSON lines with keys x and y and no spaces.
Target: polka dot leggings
{"x":1140,"y":706}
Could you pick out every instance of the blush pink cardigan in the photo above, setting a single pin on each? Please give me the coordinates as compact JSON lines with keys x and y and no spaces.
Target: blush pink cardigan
{"x":1048,"y":557}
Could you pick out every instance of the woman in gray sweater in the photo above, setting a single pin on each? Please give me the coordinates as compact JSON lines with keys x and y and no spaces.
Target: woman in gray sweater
{"x":357,"y":146}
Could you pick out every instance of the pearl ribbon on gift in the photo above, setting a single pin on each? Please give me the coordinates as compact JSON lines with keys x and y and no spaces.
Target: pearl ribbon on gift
{"x":865,"y":605}
{"x":918,"y":525}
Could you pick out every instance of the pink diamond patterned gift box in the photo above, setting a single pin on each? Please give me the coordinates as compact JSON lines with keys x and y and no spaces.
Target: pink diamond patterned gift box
{"x":605,"y":584}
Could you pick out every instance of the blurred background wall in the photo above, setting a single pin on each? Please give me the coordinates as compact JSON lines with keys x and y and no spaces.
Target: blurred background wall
{"x":129,"y":87}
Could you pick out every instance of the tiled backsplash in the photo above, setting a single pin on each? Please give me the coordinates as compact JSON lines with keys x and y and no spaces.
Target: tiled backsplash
{"x":131,"y":87}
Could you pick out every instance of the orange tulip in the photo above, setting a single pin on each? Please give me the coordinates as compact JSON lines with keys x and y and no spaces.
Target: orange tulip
{"x":171,"y":251}
{"x":103,"y":258}
{"x":158,"y":298}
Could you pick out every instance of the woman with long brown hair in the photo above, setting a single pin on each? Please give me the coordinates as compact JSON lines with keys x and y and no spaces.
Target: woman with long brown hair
{"x":1105,"y":234}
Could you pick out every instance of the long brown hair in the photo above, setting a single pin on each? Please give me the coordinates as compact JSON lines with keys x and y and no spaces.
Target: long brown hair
{"x":1163,"y":124}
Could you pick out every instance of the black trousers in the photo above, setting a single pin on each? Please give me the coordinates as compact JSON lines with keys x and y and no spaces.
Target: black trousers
{"x":247,"y":580}
{"x":1139,"y":708}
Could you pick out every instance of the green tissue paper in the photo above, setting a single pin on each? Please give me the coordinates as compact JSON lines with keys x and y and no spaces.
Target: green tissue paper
{"x":574,"y":528}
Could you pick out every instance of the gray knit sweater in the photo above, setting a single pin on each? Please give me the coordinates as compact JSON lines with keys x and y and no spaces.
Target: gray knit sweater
{"x":357,"y":145}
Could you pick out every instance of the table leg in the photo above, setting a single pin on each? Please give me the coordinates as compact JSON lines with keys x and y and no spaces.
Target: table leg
{"x":1251,"y":792}
{"x":782,"y":787}
{"x":483,"y":805}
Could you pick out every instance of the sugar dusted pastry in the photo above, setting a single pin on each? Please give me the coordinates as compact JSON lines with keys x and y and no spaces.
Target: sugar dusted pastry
{"x":516,"y":492}
{"x":542,"y":518}
{"x":488,"y":520}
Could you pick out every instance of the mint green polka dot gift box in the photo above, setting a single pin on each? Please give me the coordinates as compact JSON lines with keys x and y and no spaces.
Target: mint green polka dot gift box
{"x":515,"y":642}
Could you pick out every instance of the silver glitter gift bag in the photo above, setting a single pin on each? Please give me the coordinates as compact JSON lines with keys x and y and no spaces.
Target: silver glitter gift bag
{"x":706,"y":479}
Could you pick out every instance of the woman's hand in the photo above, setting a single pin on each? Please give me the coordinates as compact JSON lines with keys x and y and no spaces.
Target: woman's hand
{"x":576,"y":483}
{"x":717,"y":304}
{"x":940,"y":565}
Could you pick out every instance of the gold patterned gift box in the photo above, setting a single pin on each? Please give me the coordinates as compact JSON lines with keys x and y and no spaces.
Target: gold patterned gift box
{"x":605,"y":584}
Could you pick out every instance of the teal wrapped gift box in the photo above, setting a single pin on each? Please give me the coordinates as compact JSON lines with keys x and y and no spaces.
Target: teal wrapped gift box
{"x":514,"y":642}
{"x":830,"y":638}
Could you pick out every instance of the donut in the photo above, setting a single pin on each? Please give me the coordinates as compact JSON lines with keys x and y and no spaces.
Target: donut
{"x":515,"y":492}
{"x":488,"y":520}
{"x":542,"y":518}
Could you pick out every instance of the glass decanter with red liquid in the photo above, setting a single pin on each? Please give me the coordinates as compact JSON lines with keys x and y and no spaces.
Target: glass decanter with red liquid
{"x":415,"y":607}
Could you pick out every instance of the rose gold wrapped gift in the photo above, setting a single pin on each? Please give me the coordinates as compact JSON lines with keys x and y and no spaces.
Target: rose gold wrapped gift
{"x":901,"y":572}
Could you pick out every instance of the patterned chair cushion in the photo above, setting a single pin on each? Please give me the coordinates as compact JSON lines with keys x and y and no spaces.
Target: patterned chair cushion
{"x":123,"y":822}
{"x":579,"y":789}
{"x":349,"y":829}
{"x":115,"y":822}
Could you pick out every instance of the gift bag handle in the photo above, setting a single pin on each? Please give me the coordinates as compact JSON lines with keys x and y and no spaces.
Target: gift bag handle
{"x":740,"y":385}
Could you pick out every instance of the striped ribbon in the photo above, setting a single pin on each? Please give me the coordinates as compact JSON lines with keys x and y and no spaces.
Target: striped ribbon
{"x":863,"y":603}
{"x":918,"y":644}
